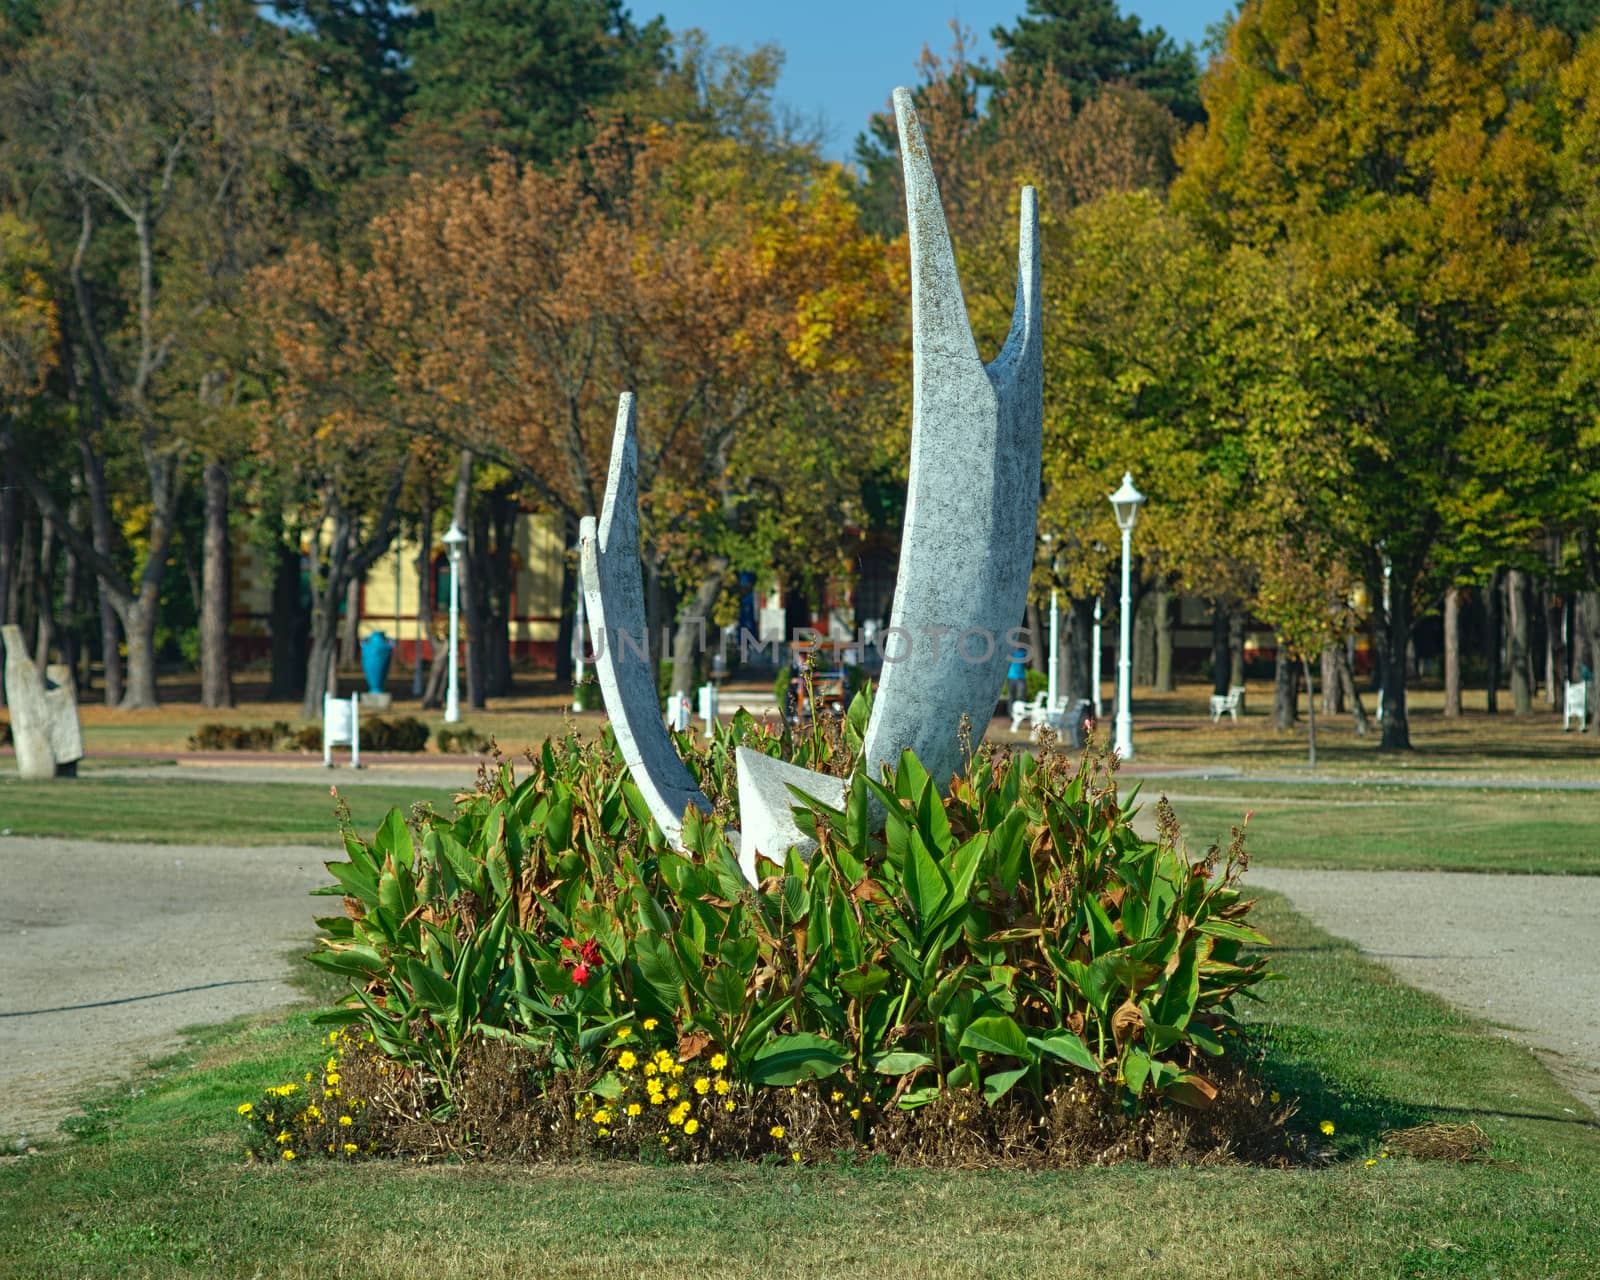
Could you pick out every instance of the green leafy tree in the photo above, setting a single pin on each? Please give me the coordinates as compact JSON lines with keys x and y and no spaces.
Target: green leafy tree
{"x":1089,"y":46}
{"x":1405,"y":150}
{"x":521,"y":75}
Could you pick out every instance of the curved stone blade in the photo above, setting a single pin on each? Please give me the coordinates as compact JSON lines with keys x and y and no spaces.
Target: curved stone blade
{"x":972,"y":500}
{"x":766,"y":807}
{"x":613,"y":594}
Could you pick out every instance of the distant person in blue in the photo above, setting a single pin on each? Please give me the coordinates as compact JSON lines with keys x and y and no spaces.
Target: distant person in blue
{"x":1017,"y":675}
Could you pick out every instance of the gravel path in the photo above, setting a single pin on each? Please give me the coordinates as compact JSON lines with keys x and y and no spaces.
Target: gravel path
{"x":1522,"y":952}
{"x":108,"y":950}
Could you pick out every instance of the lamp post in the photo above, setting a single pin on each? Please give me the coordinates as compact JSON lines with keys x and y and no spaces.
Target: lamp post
{"x":577,"y":654}
{"x":453,"y":540}
{"x":1094,"y":659}
{"x":1125,"y":504}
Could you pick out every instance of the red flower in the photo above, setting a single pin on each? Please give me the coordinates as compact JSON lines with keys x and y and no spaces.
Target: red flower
{"x":585,"y":962}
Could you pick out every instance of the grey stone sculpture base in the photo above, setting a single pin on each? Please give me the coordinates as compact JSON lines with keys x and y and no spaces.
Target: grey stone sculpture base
{"x":44,"y":714}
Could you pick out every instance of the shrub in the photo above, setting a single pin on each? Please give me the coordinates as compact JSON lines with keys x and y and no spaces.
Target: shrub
{"x":406,"y":733}
{"x":317,"y":1115}
{"x":236,"y":737}
{"x":463,"y":741}
{"x":1038,"y":682}
{"x":1014,"y":940}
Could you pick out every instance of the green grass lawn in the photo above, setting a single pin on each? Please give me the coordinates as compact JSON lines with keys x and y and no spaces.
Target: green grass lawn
{"x":195,"y":812}
{"x":1393,"y":828}
{"x":159,"y":1186}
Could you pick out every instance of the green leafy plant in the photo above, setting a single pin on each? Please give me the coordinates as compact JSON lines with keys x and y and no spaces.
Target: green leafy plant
{"x":1009,"y":938}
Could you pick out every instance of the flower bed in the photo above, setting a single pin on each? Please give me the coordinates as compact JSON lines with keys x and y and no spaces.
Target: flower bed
{"x":1009,"y":972}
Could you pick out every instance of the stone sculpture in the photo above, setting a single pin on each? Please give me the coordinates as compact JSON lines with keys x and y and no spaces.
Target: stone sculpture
{"x":965,"y":557}
{"x":44,"y":713}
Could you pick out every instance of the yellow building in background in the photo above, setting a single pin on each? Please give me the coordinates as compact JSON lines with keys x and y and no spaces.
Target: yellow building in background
{"x":387,"y":600}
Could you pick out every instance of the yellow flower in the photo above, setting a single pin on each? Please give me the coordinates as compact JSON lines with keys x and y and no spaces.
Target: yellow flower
{"x":702,"y":1086}
{"x":350,"y":1148}
{"x":346,"y":1120}
{"x":288,"y":1155}
{"x":691,"y":1126}
{"x":729,"y":1105}
{"x":718,"y":1061}
{"x":602,"y":1116}
{"x":837,"y":1096}
{"x":627,"y":1061}
{"x":1327,"y":1128}
{"x":776,"y":1131}
{"x":721,"y":1086}
{"x":634,"y":1108}
{"x":1273,"y":1096}
{"x":307,"y":1078}
{"x":650,"y":1068}
{"x":673,"y":1091}
{"x":855,"y":1113}
{"x":246,"y":1109}
{"x":650,"y":1024}
{"x":283,"y":1137}
{"x":677,"y":1068}
{"x":656,"y":1099}
{"x":603,"y":1133}
{"x":1369,"y":1164}
{"x":332,"y":1080}
{"x":624,"y":1033}
{"x":795,"y":1156}
{"x":665,"y":1139}
{"x":333,"y":1064}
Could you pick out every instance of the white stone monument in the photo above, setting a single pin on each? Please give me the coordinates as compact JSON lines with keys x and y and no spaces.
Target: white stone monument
{"x":44,"y":713}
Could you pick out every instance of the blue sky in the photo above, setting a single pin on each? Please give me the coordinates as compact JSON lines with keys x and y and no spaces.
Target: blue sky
{"x":843,"y":58}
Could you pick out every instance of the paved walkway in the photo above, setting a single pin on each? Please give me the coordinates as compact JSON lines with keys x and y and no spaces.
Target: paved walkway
{"x":108,"y":950}
{"x":1522,"y":952}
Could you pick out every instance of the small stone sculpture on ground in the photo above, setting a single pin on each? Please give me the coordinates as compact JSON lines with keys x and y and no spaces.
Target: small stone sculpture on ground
{"x":44,"y":713}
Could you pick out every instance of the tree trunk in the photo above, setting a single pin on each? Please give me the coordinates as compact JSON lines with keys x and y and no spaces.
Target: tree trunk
{"x":9,"y":501}
{"x":477,"y":606}
{"x":689,"y":634}
{"x":1393,"y":636}
{"x":1285,"y":689}
{"x":289,"y":636}
{"x":216,"y":608}
{"x":1166,"y":680}
{"x":1039,"y":629}
{"x":1452,"y":652}
{"x":44,"y":591}
{"x":138,"y":617}
{"x":1311,"y":711}
{"x":1077,"y":666}
{"x":1491,"y":641}
{"x":349,"y":647}
{"x":1517,"y":630}
{"x":569,"y":604}
{"x":1352,"y":695}
{"x":1219,"y":649}
{"x":500,"y":584}
{"x":1236,"y":621}
{"x":1555,"y":615}
{"x":424,"y":571}
{"x":1332,"y":699}
{"x":1144,"y":648}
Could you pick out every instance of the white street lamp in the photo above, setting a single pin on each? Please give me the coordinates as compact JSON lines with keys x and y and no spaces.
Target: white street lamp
{"x":1094,"y":661}
{"x":577,"y":653}
{"x":453,"y":542}
{"x":1125,"y":503}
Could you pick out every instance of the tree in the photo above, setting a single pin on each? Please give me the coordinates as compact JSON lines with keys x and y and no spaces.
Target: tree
{"x":1405,"y":150}
{"x":520,"y":75}
{"x":1088,"y":46}
{"x":160,"y":132}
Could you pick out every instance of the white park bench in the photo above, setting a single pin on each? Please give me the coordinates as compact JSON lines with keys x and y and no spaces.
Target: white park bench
{"x":1039,"y":714}
{"x":1577,"y":704}
{"x":341,"y":727}
{"x":1227,"y":704}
